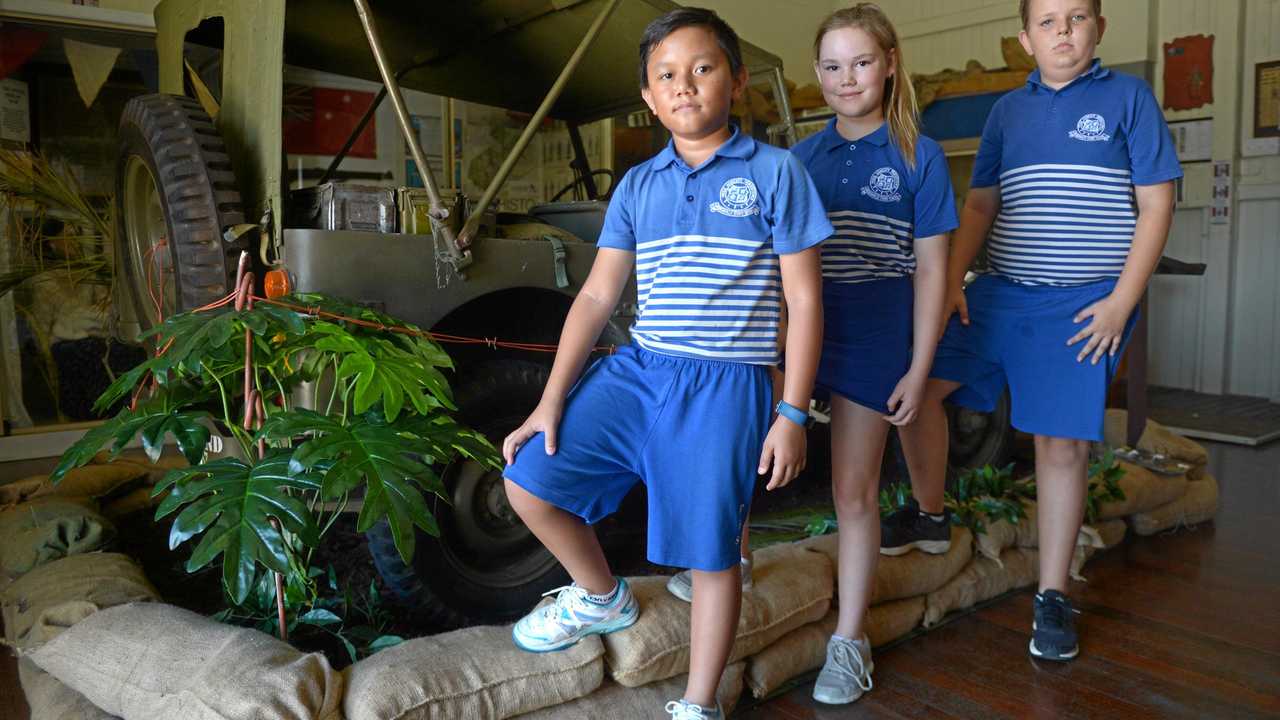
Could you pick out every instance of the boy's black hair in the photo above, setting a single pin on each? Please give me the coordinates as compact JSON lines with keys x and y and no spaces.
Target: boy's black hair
{"x":659,"y":29}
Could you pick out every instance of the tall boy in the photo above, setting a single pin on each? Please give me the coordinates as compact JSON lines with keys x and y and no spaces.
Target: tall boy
{"x":1073,"y":181}
{"x":721,"y":230}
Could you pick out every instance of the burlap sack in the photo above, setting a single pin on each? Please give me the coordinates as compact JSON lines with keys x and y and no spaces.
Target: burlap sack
{"x":982,"y":580}
{"x":1093,"y":539}
{"x":1001,"y":534}
{"x":1156,"y":438}
{"x":87,"y":481}
{"x":472,"y":674}
{"x":1143,"y":490}
{"x":151,"y":661}
{"x":1198,"y":504}
{"x":793,"y":587}
{"x":135,"y":500}
{"x":805,"y":649}
{"x":155,"y":471}
{"x":48,"y":600}
{"x":40,"y":531}
{"x":51,"y":700}
{"x":904,"y":576}
{"x":618,"y":702}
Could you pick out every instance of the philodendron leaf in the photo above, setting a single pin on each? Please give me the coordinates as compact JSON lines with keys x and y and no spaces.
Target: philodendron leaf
{"x":231,"y":505}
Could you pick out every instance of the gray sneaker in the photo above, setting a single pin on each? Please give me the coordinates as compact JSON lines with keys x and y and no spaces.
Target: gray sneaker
{"x":684,"y":710}
{"x":847,"y":673}
{"x":681,"y":584}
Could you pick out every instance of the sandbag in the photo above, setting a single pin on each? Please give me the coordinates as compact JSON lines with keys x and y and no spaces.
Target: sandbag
{"x":474,"y":674}
{"x":982,"y":580}
{"x":202,"y":670}
{"x":53,"y":597}
{"x":618,"y":702}
{"x":51,"y":700}
{"x":999,"y":535}
{"x":136,"y":500}
{"x":1198,"y":504}
{"x":1156,"y":438}
{"x":155,"y":471}
{"x":805,"y":649}
{"x":909,"y":575}
{"x":88,"y":481}
{"x":1143,"y":490}
{"x":1093,"y":538}
{"x":40,"y":531}
{"x":793,"y":587}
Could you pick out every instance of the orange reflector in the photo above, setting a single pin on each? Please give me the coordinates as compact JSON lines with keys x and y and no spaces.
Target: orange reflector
{"x":276,"y":283}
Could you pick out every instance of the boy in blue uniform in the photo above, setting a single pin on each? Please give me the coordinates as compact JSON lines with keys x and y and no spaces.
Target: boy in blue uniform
{"x":722,"y":231}
{"x":1074,"y":182}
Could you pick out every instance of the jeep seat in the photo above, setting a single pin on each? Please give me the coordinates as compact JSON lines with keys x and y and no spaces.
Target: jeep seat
{"x":583,"y":218}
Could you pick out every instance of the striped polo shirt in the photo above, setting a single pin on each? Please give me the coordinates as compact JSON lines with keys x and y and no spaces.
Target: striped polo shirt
{"x":1066,"y":162}
{"x":877,"y":204}
{"x":707,"y":241}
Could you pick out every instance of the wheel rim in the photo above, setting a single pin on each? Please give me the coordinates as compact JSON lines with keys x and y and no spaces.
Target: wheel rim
{"x":150,"y":258}
{"x":484,"y":540}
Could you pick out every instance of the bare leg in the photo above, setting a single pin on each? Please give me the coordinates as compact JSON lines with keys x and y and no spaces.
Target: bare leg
{"x":857,"y":444}
{"x":746,"y":537}
{"x":1062,"y":467}
{"x":717,"y":600}
{"x":571,"y":540}
{"x":925,"y":443}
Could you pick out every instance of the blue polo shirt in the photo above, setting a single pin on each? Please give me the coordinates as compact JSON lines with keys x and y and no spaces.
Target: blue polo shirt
{"x":707,"y":241}
{"x":877,"y":204}
{"x":1066,"y":162}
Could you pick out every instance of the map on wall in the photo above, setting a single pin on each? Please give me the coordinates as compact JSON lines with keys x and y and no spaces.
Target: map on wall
{"x":1188,"y":72}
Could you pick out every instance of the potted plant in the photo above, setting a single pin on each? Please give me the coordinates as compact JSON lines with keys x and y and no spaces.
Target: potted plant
{"x":350,"y":408}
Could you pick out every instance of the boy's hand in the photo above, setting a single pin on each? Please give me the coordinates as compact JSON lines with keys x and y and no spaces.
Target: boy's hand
{"x":955,"y":303}
{"x":1106,"y":330}
{"x":544,"y":419}
{"x":784,"y":450}
{"x":904,"y":403}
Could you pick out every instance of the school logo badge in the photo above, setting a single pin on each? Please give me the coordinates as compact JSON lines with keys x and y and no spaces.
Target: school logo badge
{"x":884,"y":185}
{"x":737,"y":198}
{"x":1091,"y":128}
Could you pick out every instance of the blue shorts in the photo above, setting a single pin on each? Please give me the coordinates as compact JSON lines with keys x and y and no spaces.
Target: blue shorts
{"x":866,"y":340}
{"x":691,"y":430}
{"x":1017,"y":336}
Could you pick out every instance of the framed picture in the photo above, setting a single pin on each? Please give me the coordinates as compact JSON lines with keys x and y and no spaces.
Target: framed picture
{"x":1266,"y":99}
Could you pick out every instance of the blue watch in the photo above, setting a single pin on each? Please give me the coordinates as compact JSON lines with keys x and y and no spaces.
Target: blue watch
{"x":794,"y":414}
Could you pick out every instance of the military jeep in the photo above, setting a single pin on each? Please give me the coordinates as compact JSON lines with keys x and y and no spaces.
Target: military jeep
{"x":201,"y":177}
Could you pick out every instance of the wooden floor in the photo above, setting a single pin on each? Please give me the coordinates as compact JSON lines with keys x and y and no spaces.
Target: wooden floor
{"x":1173,"y":626}
{"x":1183,"y":625}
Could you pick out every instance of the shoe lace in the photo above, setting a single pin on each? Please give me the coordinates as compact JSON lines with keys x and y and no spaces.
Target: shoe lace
{"x":848,"y":661}
{"x":1057,"y":612}
{"x":683,"y":710}
{"x":568,"y":597}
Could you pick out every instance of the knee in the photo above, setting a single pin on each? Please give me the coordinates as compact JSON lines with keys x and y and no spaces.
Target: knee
{"x":522,"y":501}
{"x":856,"y":498}
{"x":1062,"y":452}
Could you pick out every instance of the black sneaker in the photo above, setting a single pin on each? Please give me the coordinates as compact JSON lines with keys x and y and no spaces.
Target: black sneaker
{"x":909,"y":528}
{"x":1053,"y":633}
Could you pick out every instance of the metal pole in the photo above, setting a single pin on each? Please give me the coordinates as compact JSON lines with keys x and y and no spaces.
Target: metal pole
{"x":468,"y":230}
{"x":437,"y":209}
{"x":784,"y":106}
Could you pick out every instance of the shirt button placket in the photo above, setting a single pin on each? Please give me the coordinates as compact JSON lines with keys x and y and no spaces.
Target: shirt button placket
{"x":690,"y":195}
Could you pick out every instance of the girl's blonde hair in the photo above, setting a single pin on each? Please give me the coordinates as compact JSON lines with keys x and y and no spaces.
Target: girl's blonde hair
{"x":901,"y":111}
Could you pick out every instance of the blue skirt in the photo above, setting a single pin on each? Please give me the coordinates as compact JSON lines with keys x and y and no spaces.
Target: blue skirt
{"x":866,"y":341}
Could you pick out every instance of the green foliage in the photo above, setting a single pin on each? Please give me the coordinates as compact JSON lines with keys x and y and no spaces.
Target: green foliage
{"x":987,"y":494}
{"x":317,"y":608}
{"x":1104,"y":476}
{"x":894,"y":498}
{"x":375,"y":435}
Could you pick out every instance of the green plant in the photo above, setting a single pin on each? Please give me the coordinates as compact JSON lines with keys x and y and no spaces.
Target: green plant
{"x":893,"y":498}
{"x":1104,"y":484}
{"x":987,"y":494}
{"x":316,"y":610}
{"x":378,"y":425}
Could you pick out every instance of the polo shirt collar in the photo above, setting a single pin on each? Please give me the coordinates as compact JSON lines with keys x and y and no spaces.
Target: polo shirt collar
{"x":737,"y":146}
{"x":1095,"y":71}
{"x":832,"y":139}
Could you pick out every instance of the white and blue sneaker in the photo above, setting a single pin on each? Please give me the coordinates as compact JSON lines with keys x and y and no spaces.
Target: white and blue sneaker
{"x":684,"y":710}
{"x":573,"y":616}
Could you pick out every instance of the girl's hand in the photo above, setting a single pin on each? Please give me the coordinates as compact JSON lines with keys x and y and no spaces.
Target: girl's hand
{"x":544,"y":419}
{"x":955,"y":303}
{"x":904,"y":403}
{"x":784,"y":450}
{"x":1106,"y":330}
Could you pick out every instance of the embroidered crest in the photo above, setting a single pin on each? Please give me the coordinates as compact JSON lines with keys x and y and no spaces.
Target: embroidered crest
{"x":1091,"y":128}
{"x":884,"y":185}
{"x":737,"y":198}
